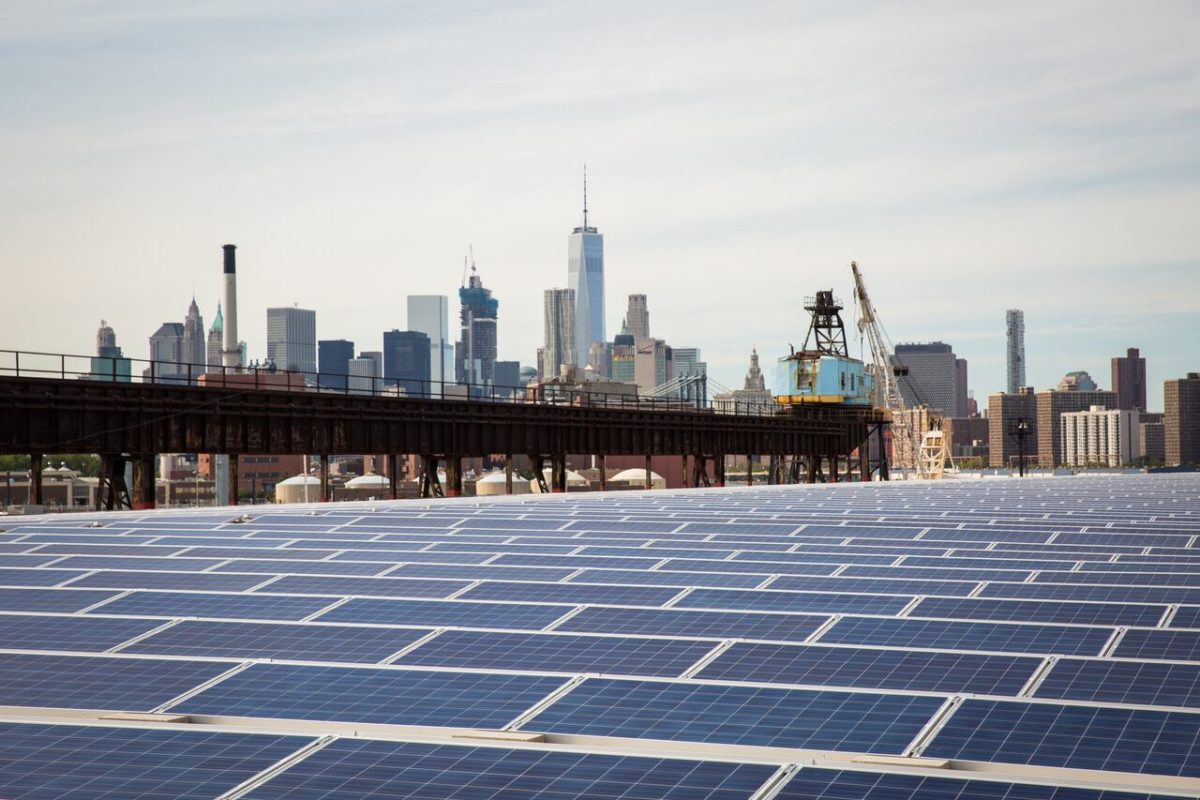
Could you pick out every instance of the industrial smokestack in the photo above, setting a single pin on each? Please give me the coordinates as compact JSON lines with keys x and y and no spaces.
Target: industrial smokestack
{"x":231,"y":351}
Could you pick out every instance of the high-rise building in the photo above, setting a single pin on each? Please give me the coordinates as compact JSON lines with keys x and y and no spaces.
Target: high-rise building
{"x":109,"y":363}
{"x":1051,"y":405}
{"x":216,"y":334}
{"x":933,"y":377}
{"x":406,"y":362}
{"x":430,"y":314}
{"x":1077,"y":381}
{"x":507,"y":377}
{"x":585,"y":277}
{"x":333,"y":363}
{"x":962,"y":394}
{"x":366,"y":374}
{"x":624,"y":353}
{"x":686,"y":363}
{"x":637,"y":317}
{"x":1015,"y":320}
{"x":653,"y":364}
{"x":1006,"y":412}
{"x":1152,"y":441}
{"x":600,"y":359}
{"x":1129,"y":380}
{"x":292,"y":339}
{"x":559,"y":325}
{"x":1100,"y":436}
{"x":195,"y":349}
{"x":166,"y":354}
{"x":475,"y":351}
{"x":1181,"y":420}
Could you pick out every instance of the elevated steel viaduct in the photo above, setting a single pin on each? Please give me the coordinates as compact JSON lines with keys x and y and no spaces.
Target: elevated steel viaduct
{"x":133,"y":422}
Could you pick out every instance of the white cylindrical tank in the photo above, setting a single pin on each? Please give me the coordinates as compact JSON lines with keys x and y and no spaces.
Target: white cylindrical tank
{"x":493,"y":483}
{"x":636,"y":478}
{"x":292,"y":489}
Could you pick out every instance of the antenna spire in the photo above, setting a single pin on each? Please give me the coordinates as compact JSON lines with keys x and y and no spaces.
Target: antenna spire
{"x":585,"y":196}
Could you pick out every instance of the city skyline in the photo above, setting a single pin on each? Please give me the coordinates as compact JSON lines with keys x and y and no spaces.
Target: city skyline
{"x":744,"y":172}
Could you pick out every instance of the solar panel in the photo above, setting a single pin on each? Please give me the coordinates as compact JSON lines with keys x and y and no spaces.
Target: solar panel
{"x":712,"y":624}
{"x":19,"y":561}
{"x":282,"y":641}
{"x":381,"y":587}
{"x":874,"y":585}
{"x":1109,"y":681}
{"x":1077,"y":737}
{"x":1186,"y":617}
{"x":665,"y":578}
{"x":125,"y":684}
{"x":1040,"y":611}
{"x":813,"y":602}
{"x":351,"y":769}
{"x":1116,"y":594}
{"x":550,"y":652}
{"x":129,"y":562}
{"x":360,"y":694}
{"x":198,"y":581}
{"x":1177,"y":645}
{"x":280,"y":566}
{"x":742,"y":715}
{"x":814,"y":783}
{"x":572,"y":593}
{"x":481,"y":573}
{"x":86,"y":634}
{"x":100,"y":763}
{"x":230,"y":606}
{"x":938,"y":634}
{"x":872,"y":668}
{"x":446,"y":613}
{"x":54,"y":600}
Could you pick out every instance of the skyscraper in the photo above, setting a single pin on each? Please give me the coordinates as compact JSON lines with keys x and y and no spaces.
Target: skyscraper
{"x":585,"y":276}
{"x":109,"y":364}
{"x":1015,"y":322}
{"x":166,"y":352}
{"x":637,"y":317}
{"x":1181,"y":420}
{"x":106,"y":341}
{"x":292,"y":339}
{"x":430,"y":314}
{"x":560,"y":327}
{"x":961,"y":389}
{"x":687,"y":364}
{"x":406,"y":361}
{"x":1129,"y":380}
{"x":333,"y":363}
{"x":216,"y":335}
{"x":933,"y":377}
{"x":475,"y":351}
{"x":195,"y":350}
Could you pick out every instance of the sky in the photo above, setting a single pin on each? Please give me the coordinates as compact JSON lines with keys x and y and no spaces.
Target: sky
{"x":971,"y":157}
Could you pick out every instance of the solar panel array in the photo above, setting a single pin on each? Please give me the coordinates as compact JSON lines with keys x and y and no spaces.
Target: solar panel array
{"x":965,"y":639}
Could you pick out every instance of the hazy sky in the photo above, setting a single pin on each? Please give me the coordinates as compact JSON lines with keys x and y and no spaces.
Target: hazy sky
{"x":972,"y":157}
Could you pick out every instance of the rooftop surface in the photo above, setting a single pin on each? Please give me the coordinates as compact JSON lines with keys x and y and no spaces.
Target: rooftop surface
{"x":1034,"y":639}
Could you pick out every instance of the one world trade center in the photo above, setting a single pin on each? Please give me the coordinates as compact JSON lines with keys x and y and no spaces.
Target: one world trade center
{"x":585,"y":274}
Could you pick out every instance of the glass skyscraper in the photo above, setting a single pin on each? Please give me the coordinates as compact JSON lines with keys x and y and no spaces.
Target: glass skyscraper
{"x":585,"y":276}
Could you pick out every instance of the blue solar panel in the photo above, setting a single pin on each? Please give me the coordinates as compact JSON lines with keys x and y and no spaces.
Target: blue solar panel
{"x":266,"y":640}
{"x":1108,"y":681}
{"x":814,"y":783}
{"x":87,"y":634}
{"x":742,"y":715}
{"x":102,"y":682}
{"x":1127,"y":578}
{"x":763,"y":568}
{"x":381,"y":587}
{"x":228,"y":606}
{"x":125,"y":549}
{"x":95,"y":763}
{"x":52,"y":600}
{"x":360,"y":694}
{"x":1040,"y":611}
{"x":1186,"y":617}
{"x":937,"y":634}
{"x":757,"y":528}
{"x":872,"y":669}
{"x":874,"y":585}
{"x":352,"y":769}
{"x":1076,"y":737}
{"x":937,"y":573}
{"x":1177,"y":645}
{"x":572,"y":593}
{"x":199,"y":581}
{"x":481,"y":573}
{"x":792,"y":601}
{"x":1114,"y":594}
{"x":411,"y":556}
{"x":129,"y":562}
{"x":712,"y":624}
{"x":280,"y":566}
{"x":446,"y":613}
{"x":607,"y":562}
{"x":664,"y":578}
{"x":550,"y":652}
{"x":291,"y":554}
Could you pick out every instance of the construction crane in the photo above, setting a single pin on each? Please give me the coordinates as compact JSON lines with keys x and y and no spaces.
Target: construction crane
{"x":905,"y":438}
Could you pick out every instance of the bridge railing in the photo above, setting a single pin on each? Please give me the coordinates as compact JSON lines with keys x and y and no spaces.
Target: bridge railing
{"x":119,"y":369}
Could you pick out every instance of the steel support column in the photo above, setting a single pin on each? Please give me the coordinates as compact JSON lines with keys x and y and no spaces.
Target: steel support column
{"x":649,"y":482}
{"x":324,"y":462}
{"x":233,"y":481}
{"x":508,"y":473}
{"x":143,"y":483}
{"x":686,"y":482}
{"x":431,"y":486}
{"x":35,"y":497}
{"x":603,"y":469}
{"x":719,"y":470}
{"x":454,"y":472}
{"x":558,"y":473}
{"x":539,"y":473}
{"x":749,"y":471}
{"x":393,"y":471}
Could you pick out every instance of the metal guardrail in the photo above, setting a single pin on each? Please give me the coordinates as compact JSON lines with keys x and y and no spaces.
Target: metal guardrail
{"x":63,"y":366}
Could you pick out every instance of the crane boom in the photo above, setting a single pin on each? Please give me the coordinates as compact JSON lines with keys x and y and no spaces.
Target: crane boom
{"x":904,"y":435}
